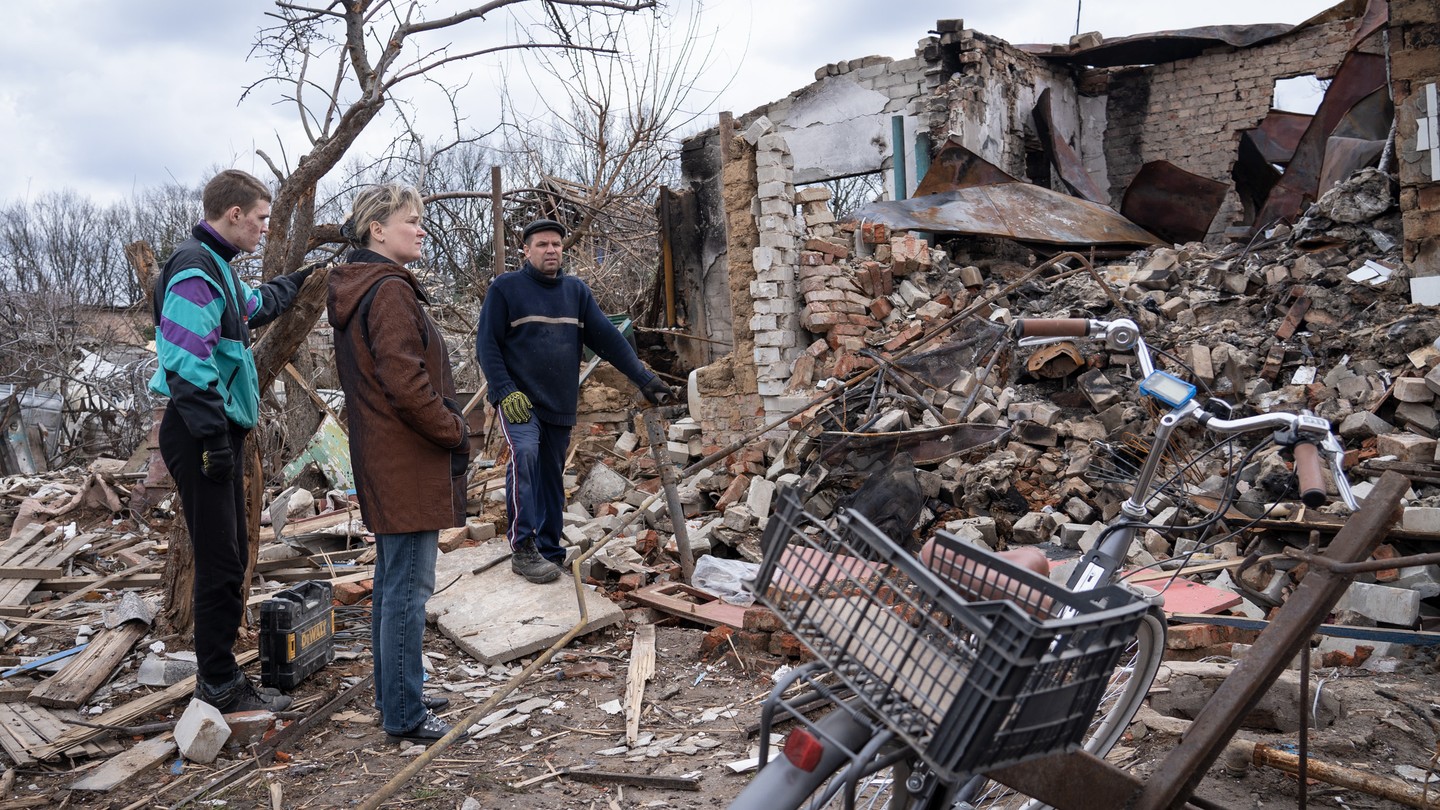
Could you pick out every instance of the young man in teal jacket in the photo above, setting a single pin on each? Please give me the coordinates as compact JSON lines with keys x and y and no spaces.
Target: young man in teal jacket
{"x":203,"y":315}
{"x":534,"y":324}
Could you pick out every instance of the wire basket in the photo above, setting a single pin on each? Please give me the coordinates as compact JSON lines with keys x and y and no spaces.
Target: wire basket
{"x":970,"y":682}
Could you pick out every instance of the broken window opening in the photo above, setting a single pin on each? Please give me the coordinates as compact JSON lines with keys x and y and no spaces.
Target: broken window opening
{"x":850,"y":194}
{"x":1299,"y":94}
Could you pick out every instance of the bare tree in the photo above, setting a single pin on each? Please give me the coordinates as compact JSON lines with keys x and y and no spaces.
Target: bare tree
{"x":604,"y":140}
{"x":340,"y":63}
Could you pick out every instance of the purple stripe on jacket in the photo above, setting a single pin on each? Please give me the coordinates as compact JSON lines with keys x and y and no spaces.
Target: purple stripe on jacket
{"x":195,"y":290}
{"x":178,"y":335}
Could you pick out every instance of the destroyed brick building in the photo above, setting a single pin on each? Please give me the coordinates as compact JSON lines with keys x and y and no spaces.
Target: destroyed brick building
{"x":1182,"y":111}
{"x":1283,"y":261}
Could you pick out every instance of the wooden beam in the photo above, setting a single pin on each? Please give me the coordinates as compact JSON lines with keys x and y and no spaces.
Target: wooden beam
{"x":90,"y":669}
{"x":642,"y":668}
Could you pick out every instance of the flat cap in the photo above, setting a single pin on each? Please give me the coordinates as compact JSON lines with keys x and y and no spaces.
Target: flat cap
{"x":542,"y":225}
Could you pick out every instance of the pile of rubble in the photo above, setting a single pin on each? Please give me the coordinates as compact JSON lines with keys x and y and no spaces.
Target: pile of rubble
{"x":911,"y":381}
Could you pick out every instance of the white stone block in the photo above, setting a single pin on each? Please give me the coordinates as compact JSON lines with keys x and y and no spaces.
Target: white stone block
{"x":757,"y":130}
{"x":1382,"y":603}
{"x":201,"y":732}
{"x":762,"y":492}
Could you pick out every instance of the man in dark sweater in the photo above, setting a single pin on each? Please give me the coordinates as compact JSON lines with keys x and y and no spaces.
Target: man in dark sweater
{"x":533,"y":327}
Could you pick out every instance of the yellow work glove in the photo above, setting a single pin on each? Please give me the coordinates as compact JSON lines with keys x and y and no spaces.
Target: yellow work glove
{"x":516,"y":408}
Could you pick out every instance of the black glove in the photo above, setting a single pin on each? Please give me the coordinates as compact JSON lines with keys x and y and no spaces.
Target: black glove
{"x":460,"y":454}
{"x":217,"y":459}
{"x":300,"y":275}
{"x":657,"y":392}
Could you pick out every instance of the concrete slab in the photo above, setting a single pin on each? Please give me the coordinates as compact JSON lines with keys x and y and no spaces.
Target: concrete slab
{"x":496,"y":616}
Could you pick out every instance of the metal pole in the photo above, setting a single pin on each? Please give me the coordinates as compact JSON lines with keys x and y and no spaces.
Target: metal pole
{"x":897,"y":159}
{"x":672,"y":494}
{"x":667,"y":254}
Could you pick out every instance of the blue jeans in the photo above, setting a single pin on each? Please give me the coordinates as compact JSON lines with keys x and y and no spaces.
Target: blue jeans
{"x":535,"y":484}
{"x":404,"y":579}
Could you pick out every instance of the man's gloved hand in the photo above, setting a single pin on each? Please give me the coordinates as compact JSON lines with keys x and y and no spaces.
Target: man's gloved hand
{"x":657,"y":392}
{"x":217,"y":459}
{"x":516,"y":407}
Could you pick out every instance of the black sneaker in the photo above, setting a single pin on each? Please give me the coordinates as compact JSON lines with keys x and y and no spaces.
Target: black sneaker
{"x":240,"y":695}
{"x":430,"y":729}
{"x":527,"y":562}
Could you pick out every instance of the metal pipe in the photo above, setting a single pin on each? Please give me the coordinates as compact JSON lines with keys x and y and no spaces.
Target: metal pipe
{"x":897,"y":155}
{"x":672,"y":494}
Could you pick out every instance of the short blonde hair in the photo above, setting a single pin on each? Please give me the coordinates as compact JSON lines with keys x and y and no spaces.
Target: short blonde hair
{"x":377,"y":204}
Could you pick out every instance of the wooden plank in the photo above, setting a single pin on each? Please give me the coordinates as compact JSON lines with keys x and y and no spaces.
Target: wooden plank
{"x":690,"y":603}
{"x":358,"y":576}
{"x":80,"y":594}
{"x":642,"y":668}
{"x":21,"y":539}
{"x":90,"y":669}
{"x":126,"y":714}
{"x":129,"y":578}
{"x":28,"y":572}
{"x":128,"y":764}
{"x":14,"y":592}
{"x":16,"y":737}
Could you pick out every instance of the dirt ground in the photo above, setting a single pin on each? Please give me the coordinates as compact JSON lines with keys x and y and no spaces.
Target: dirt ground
{"x":695,"y":721}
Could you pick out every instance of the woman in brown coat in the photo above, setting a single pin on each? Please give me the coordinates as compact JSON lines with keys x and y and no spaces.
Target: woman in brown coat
{"x":408,"y":439}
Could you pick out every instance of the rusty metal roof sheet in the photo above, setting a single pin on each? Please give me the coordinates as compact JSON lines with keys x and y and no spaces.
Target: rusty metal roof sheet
{"x":1020,"y":211}
{"x":1161,"y":46}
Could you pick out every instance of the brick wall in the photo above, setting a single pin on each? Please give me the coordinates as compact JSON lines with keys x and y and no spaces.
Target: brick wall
{"x":1190,"y":112}
{"x":1415,"y":68}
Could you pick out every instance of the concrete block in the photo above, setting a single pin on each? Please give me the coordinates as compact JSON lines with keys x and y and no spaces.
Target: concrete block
{"x":1406,"y":447}
{"x":201,"y":732}
{"x":1045,"y":413}
{"x":757,"y":130}
{"x":1422,"y":579}
{"x":166,"y":670}
{"x":1412,"y":389}
{"x":247,"y":728}
{"x":602,"y":485}
{"x":626,"y":444}
{"x":679,"y":452}
{"x":1421,"y":519}
{"x":1363,"y":425}
{"x":758,"y":500}
{"x":1432,"y":380}
{"x":1033,"y":528}
{"x":1419,"y":417}
{"x":1097,"y":388}
{"x":738,"y":518}
{"x":1381,"y":603}
{"x":1079,"y":511}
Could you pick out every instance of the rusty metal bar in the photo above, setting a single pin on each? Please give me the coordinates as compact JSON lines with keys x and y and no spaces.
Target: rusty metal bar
{"x":1292,"y":626}
{"x":666,"y":468}
{"x":1364,"y":566}
{"x":1074,"y":781}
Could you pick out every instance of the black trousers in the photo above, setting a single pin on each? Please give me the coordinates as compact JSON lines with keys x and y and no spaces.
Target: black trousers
{"x":215,"y":515}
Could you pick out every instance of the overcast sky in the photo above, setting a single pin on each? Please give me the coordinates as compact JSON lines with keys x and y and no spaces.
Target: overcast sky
{"x":106,"y":98}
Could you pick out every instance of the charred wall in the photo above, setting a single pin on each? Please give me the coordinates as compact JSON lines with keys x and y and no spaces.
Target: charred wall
{"x":1190,"y":111}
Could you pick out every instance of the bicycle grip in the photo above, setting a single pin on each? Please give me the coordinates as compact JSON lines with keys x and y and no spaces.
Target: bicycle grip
{"x":1307,"y":467}
{"x":1052,"y":327}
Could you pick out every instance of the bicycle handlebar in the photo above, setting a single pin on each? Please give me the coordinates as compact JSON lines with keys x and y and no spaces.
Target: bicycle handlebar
{"x":1307,"y":467}
{"x":1052,"y":327}
{"x":1308,"y":434}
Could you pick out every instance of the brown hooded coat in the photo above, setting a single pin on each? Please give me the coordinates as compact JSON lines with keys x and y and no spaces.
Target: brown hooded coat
{"x":402,"y":433}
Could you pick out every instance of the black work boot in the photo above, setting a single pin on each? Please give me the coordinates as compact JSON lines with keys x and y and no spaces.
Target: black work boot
{"x":240,"y":695}
{"x":527,"y":562}
{"x":430,"y":729}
